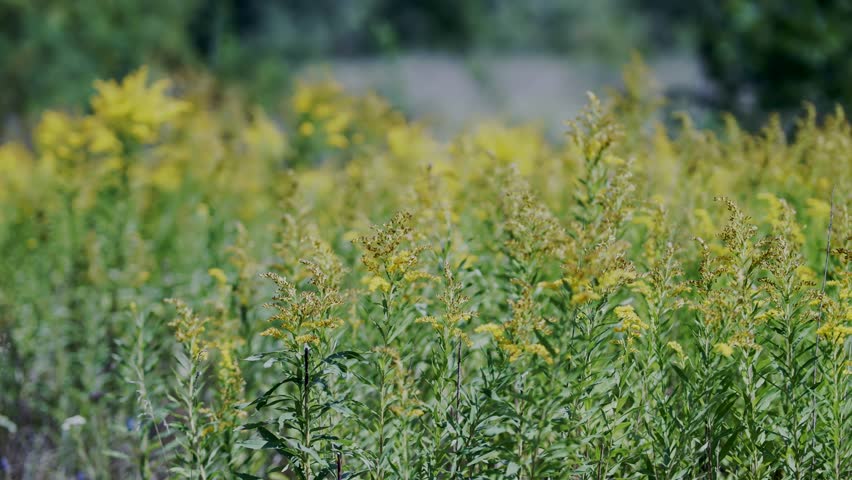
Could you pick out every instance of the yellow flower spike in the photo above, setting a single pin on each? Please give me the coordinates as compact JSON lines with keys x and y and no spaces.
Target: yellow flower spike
{"x":768,"y":315}
{"x":613,"y":161}
{"x":338,"y":123}
{"x":678,"y":349}
{"x":539,"y":350}
{"x":305,"y":315}
{"x":263,"y":137}
{"x":532,"y":230}
{"x":744,"y":339}
{"x":630,"y":321}
{"x":377,"y":283}
{"x":167,"y":177}
{"x":517,"y":336}
{"x":554,"y":285}
{"x":189,"y":328}
{"x":306,"y":129}
{"x":433,"y":321}
{"x":142,"y":277}
{"x":219,"y":275}
{"x":494,"y":330}
{"x":584,"y":296}
{"x":818,"y":209}
{"x":389,"y":253}
{"x":834,"y":332}
{"x":704,"y":224}
{"x":338,"y":141}
{"x":272,"y":332}
{"x":806,"y":274}
{"x":781,"y":216}
{"x":723,"y":349}
{"x":134,"y":108}
{"x":102,"y":140}
{"x":322,"y":110}
{"x":417,"y":275}
{"x":306,"y":339}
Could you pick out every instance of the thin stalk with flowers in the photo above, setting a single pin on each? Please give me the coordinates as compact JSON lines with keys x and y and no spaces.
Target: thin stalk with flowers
{"x":833,"y":410}
{"x":790,"y":286}
{"x":747,"y":261}
{"x":446,"y":364}
{"x":305,"y":399}
{"x":393,"y":269}
{"x":197,"y":448}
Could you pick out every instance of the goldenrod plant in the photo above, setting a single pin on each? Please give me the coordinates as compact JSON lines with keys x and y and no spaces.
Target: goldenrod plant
{"x":640,"y":298}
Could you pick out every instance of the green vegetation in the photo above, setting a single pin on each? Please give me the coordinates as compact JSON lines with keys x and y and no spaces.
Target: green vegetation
{"x":193,"y":290}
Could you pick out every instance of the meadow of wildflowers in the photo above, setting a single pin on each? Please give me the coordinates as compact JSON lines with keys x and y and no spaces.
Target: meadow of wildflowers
{"x":194,"y":288}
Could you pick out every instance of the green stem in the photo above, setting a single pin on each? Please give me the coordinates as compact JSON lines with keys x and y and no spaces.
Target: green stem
{"x":306,"y":412}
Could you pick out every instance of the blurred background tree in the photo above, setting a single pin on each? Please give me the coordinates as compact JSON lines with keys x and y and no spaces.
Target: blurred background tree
{"x":50,"y":50}
{"x":767,"y":55}
{"x":761,"y":54}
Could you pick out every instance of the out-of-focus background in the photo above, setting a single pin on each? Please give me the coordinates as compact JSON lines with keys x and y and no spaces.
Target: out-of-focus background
{"x":444,"y":60}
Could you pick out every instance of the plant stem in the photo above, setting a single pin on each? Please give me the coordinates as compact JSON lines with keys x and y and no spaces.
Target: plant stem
{"x":458,"y":378}
{"x":819,"y":324}
{"x":306,"y":411}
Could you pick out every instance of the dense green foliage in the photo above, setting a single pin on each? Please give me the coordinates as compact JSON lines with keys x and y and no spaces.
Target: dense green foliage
{"x":770,"y":54}
{"x":50,"y":51}
{"x":193,"y":290}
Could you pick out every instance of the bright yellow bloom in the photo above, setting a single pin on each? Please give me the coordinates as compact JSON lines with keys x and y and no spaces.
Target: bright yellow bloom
{"x":517,"y":336}
{"x":189,"y":328}
{"x":307,"y":338}
{"x":306,"y":129}
{"x":219,"y":275}
{"x":678,"y":349}
{"x":495,"y":330}
{"x":723,"y":349}
{"x":630,"y":321}
{"x":377,"y":283}
{"x":818,"y":209}
{"x":135,"y":109}
{"x":835,"y":332}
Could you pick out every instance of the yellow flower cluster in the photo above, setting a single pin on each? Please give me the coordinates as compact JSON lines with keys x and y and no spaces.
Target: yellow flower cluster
{"x":517,"y":336}
{"x":306,"y":316}
{"x":782,"y":218}
{"x":327,"y":115}
{"x":455,"y":314}
{"x":631,"y":325}
{"x":678,"y":349}
{"x":134,"y":109}
{"x":189,"y":329}
{"x":723,"y":349}
{"x":836,"y":310}
{"x":532,"y":231}
{"x":389,"y":255}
